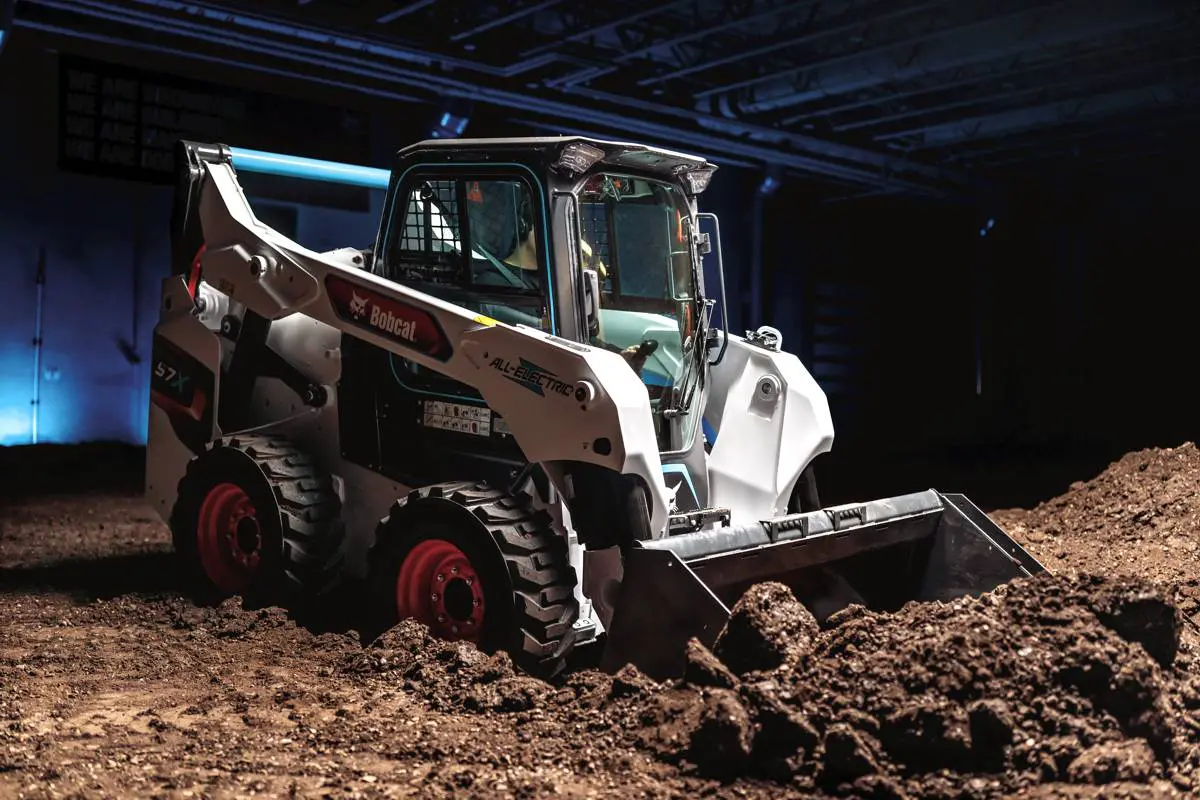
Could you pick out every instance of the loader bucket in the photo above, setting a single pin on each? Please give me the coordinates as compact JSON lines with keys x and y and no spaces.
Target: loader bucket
{"x":881,"y":554}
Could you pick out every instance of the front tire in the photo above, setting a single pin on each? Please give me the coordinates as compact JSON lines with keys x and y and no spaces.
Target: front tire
{"x":477,"y":564}
{"x":255,"y":516}
{"x":805,"y":496}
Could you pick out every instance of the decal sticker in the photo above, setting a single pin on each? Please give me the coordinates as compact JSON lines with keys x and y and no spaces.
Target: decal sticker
{"x":482,"y":320}
{"x":182,"y":386}
{"x":407,"y":325}
{"x":532,"y":377}
{"x":679,"y":483}
{"x":457,"y":417}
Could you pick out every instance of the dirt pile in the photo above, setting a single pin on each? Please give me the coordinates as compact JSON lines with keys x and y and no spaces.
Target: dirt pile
{"x":1073,"y":682}
{"x":1138,"y":518}
{"x":1048,"y":680}
{"x":1059,"y":686}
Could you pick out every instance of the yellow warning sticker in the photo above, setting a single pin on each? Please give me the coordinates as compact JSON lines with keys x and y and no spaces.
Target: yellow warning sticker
{"x":482,"y":320}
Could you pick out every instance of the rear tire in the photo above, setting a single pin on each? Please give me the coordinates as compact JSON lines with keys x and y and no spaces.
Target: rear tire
{"x":255,"y":516}
{"x":506,"y":581}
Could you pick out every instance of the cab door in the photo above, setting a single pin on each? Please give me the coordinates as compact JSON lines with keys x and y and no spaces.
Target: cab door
{"x":475,"y":236}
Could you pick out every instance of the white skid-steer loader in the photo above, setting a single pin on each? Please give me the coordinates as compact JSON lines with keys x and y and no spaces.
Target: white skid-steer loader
{"x":511,"y":416}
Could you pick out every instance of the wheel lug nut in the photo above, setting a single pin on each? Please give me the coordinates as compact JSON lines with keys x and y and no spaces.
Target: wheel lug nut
{"x":433,"y":597}
{"x":470,"y":581}
{"x":454,"y":570}
{"x":454,"y":628}
{"x":476,"y":603}
{"x":441,"y":617}
{"x":441,"y":577}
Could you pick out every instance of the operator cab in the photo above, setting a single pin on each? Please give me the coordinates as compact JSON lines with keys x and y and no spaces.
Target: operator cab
{"x":592,"y":241}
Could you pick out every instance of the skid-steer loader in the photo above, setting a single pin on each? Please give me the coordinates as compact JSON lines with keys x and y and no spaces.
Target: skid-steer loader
{"x":511,"y":416}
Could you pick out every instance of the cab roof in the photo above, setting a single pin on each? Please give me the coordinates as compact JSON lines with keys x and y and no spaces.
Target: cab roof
{"x":616,"y":153}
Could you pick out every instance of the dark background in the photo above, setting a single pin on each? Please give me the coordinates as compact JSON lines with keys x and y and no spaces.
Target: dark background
{"x":978,"y":228}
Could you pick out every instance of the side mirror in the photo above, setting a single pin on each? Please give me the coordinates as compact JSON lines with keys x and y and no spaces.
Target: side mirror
{"x":591,"y":300}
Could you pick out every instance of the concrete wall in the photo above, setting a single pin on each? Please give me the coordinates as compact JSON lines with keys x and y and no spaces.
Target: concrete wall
{"x":105,"y":244}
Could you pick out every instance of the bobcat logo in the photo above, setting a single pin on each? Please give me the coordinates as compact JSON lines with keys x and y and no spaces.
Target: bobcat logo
{"x":358,"y":305}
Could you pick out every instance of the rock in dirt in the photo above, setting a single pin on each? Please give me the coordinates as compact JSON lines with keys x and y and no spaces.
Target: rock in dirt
{"x":1138,"y":613}
{"x":991,"y":731}
{"x":848,"y":755}
{"x":703,"y":669}
{"x":784,"y":737}
{"x":767,"y":628}
{"x":1113,"y":761}
{"x":927,"y":735}
{"x":632,"y":682}
{"x":720,"y":743}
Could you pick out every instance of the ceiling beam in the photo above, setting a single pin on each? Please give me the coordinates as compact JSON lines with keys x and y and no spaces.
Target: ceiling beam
{"x":1076,"y":84}
{"x":416,"y":71}
{"x":1005,"y":36}
{"x":1008,"y":123}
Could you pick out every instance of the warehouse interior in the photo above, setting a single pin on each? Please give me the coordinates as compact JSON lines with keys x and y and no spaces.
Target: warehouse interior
{"x":970,"y":220}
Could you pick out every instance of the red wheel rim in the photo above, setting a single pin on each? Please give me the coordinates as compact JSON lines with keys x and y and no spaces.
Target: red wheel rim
{"x":229,"y":538}
{"x":439,"y":587}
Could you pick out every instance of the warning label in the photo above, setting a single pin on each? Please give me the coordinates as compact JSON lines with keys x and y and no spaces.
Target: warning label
{"x":457,"y":417}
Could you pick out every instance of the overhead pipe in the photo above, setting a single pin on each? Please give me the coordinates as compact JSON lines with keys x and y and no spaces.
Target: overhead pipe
{"x":940,"y":88}
{"x":370,"y":70}
{"x":995,"y":126}
{"x":1041,"y":88}
{"x":649,"y":10}
{"x":684,"y":38}
{"x":881,"y":50}
{"x":403,"y":11}
{"x":504,"y":19}
{"x":356,"y":43}
{"x":948,"y":50}
{"x":905,"y":9}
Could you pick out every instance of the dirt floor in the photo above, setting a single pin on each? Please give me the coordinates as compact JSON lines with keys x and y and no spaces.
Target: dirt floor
{"x":1068,"y":685}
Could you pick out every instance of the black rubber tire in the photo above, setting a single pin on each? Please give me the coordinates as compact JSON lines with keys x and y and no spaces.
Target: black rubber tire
{"x":524,"y":564}
{"x":297,"y":509}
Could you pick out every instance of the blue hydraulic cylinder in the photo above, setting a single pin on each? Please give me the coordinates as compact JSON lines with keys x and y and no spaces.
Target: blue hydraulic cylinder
{"x":311,"y":169}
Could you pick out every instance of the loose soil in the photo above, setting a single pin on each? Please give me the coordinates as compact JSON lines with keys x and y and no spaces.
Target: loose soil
{"x":1084,"y":683}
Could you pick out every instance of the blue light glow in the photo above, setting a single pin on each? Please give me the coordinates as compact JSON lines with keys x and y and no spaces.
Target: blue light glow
{"x":311,"y":169}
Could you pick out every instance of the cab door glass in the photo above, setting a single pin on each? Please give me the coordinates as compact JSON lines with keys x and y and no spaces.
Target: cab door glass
{"x":476,"y":243}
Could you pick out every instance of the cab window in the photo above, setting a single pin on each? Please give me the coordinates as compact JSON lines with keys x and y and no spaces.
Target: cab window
{"x":475,"y":243}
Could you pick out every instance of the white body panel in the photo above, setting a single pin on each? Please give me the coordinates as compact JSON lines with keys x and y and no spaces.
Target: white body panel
{"x":771,"y":419}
